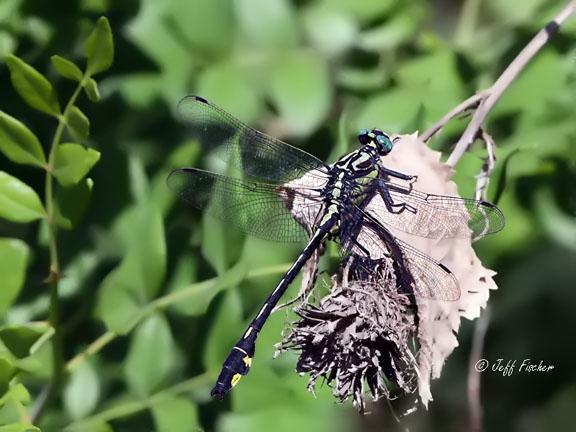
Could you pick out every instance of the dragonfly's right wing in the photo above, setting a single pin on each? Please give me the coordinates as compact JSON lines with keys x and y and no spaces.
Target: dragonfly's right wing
{"x":372,"y":241}
{"x":253,"y":152}
{"x":259,"y":209}
{"x":436,"y":216}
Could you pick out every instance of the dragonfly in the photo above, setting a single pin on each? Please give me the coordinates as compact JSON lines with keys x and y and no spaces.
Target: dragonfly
{"x":286,"y":194}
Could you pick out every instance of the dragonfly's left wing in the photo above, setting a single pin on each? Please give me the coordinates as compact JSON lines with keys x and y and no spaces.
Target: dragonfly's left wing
{"x":254,"y":153}
{"x":260,"y":209}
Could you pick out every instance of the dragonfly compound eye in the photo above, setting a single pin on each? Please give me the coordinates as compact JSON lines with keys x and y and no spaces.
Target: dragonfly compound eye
{"x":384,"y":144}
{"x":364,"y":137}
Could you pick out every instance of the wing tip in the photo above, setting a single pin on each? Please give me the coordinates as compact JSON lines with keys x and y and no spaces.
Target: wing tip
{"x":192,"y":98}
{"x":174,"y":177}
{"x":199,"y":99}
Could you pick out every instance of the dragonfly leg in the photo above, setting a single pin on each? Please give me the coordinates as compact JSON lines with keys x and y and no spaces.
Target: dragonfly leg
{"x":362,"y":248}
{"x":393,"y":207}
{"x":411,"y":179}
{"x":397,"y":174}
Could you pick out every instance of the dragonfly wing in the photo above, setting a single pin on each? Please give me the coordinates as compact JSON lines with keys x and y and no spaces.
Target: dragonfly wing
{"x":253,"y":152}
{"x":258,"y":209}
{"x":436,"y":216}
{"x":431,"y":279}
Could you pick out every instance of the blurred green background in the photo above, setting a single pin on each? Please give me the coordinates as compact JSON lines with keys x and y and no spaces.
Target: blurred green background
{"x":165,"y":292}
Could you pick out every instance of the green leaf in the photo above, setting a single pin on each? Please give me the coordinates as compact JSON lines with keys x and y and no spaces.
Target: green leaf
{"x":229,"y":84}
{"x":72,"y":202}
{"x":19,"y":143}
{"x":19,"y":427}
{"x":175,"y":413}
{"x":18,"y":393}
{"x":289,"y":416}
{"x":140,"y":274}
{"x":18,"y":201}
{"x":19,"y":339}
{"x":151,"y":356}
{"x":13,"y":260}
{"x":558,"y":225}
{"x":90,"y":426}
{"x":529,"y":92}
{"x":7,"y":372}
{"x":329,"y":30}
{"x":365,"y":10}
{"x":8,"y":43}
{"x":82,"y":391}
{"x":118,"y":306}
{"x":224,"y":331}
{"x":221,"y":246}
{"x":99,"y":47}
{"x":72,"y":162}
{"x":32,"y":86}
{"x":91,"y":89}
{"x":78,"y":124}
{"x":514,"y":12}
{"x":432,"y":81}
{"x":301,"y":89}
{"x":271,"y":24}
{"x":196,"y":297}
{"x":394,"y":32}
{"x":146,"y":258}
{"x":66,"y":68}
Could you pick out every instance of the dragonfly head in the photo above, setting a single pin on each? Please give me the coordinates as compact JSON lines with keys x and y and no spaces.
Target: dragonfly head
{"x":376,"y":138}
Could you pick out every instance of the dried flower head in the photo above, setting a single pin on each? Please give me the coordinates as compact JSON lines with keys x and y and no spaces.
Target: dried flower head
{"x":357,"y":338}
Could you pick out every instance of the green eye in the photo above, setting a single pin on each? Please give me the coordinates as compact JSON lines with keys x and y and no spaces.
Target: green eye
{"x":384,"y":142}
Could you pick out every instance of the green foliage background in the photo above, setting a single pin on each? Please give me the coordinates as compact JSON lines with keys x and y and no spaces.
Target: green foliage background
{"x":153,"y":296}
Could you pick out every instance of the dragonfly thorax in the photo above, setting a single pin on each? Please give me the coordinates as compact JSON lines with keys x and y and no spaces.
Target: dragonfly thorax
{"x":360,"y":163}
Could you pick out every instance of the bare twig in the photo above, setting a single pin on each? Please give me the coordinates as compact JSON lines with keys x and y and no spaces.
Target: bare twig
{"x":483,"y":102}
{"x":483,"y":178}
{"x":507,"y":77}
{"x":474,"y":402}
{"x":472,"y":102}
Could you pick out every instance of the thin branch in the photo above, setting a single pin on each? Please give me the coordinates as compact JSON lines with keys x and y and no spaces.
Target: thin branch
{"x":483,"y":178}
{"x":472,"y":102}
{"x":58,"y":363}
{"x":162,"y":302}
{"x":92,"y":349}
{"x":131,"y":407}
{"x":474,"y":400}
{"x":507,"y":77}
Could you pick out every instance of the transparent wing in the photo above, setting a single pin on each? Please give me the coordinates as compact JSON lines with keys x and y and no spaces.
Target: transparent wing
{"x":253,"y":152}
{"x":431,"y":279}
{"x":259,"y":209}
{"x":437,"y":216}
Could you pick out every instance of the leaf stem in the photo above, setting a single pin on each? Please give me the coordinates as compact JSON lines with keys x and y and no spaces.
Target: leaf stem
{"x":58,"y":364}
{"x":160,"y":303}
{"x":132,"y":407}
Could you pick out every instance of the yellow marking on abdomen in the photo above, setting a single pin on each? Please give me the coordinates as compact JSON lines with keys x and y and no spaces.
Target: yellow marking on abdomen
{"x":248,"y":332}
{"x":247,"y":361}
{"x":235,"y":379}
